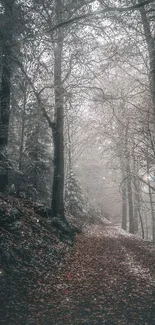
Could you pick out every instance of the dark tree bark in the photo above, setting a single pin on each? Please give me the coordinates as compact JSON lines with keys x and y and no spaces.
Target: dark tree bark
{"x":5,"y":90}
{"x":127,"y":169}
{"x":136,"y":209}
{"x":124,"y":206}
{"x":24,"y":91}
{"x":151,"y":50}
{"x":130,"y":199}
{"x":151,"y":204}
{"x":142,"y":226}
{"x":21,"y":148}
{"x":58,"y":131}
{"x":136,"y":189}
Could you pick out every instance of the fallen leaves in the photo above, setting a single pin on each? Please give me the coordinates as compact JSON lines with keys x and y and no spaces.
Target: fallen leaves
{"x":107,"y":277}
{"x":30,"y":254}
{"x":101,"y":287}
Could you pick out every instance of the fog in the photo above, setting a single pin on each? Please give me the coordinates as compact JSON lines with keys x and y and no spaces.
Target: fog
{"x":77,"y":162}
{"x":78,"y":98}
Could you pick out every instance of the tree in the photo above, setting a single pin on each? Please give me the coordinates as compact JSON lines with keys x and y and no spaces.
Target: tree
{"x":151,"y":48}
{"x":58,"y":127}
{"x":74,"y":202}
{"x":61,"y":65}
{"x":5,"y":87}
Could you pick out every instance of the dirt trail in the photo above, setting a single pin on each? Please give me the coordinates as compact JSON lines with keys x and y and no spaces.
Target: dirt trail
{"x":109,"y":278}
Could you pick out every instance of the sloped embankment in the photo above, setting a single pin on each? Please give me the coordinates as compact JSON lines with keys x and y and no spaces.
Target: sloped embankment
{"x":31,"y":248}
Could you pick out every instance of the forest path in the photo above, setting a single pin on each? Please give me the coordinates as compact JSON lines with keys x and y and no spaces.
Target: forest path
{"x":109,"y":278}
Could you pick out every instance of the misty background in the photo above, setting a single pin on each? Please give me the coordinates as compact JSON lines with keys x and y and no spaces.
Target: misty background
{"x":78,"y":108}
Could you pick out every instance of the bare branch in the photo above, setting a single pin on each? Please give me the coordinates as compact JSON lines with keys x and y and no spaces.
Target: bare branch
{"x":37,"y":95}
{"x":99,"y":12}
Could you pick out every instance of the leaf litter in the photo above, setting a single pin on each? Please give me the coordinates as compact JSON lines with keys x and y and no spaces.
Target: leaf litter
{"x":107,"y":277}
{"x":105,"y":282}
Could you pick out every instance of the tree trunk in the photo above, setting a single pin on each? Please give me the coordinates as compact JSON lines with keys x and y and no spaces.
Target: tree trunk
{"x":69,"y":147}
{"x":21,"y":148}
{"x":151,"y":205}
{"x":151,"y":50}
{"x":137,"y":205}
{"x":142,"y":225}
{"x":130,"y":199}
{"x":135,"y":213}
{"x":22,"y":127}
{"x":5,"y":38}
{"x":136,"y":191}
{"x":146,"y":227}
{"x":124,"y":206}
{"x":58,"y":136}
{"x":153,"y":216}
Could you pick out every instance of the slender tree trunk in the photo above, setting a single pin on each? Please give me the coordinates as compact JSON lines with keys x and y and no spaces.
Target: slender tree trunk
{"x":142,"y":225}
{"x":5,"y":88}
{"x":124,"y":205}
{"x":21,"y":148}
{"x":69,"y":146}
{"x":151,"y":205}
{"x":58,"y":132}
{"x":35,"y":184}
{"x":22,"y":130}
{"x":135,"y":214}
{"x":130,"y":199}
{"x":153,"y":215}
{"x":136,"y":191}
{"x":137,"y":205}
{"x":146,"y":226}
{"x":137,"y":210}
{"x":129,"y":182}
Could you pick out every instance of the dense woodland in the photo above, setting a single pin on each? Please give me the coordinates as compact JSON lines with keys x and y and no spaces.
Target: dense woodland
{"x":77,"y":107}
{"x":77,"y":162}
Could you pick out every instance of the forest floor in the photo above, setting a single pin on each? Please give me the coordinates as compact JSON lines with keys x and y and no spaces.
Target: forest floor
{"x":108,"y":278}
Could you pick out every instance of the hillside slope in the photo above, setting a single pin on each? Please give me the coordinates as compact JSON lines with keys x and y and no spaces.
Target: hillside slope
{"x":31,"y":249}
